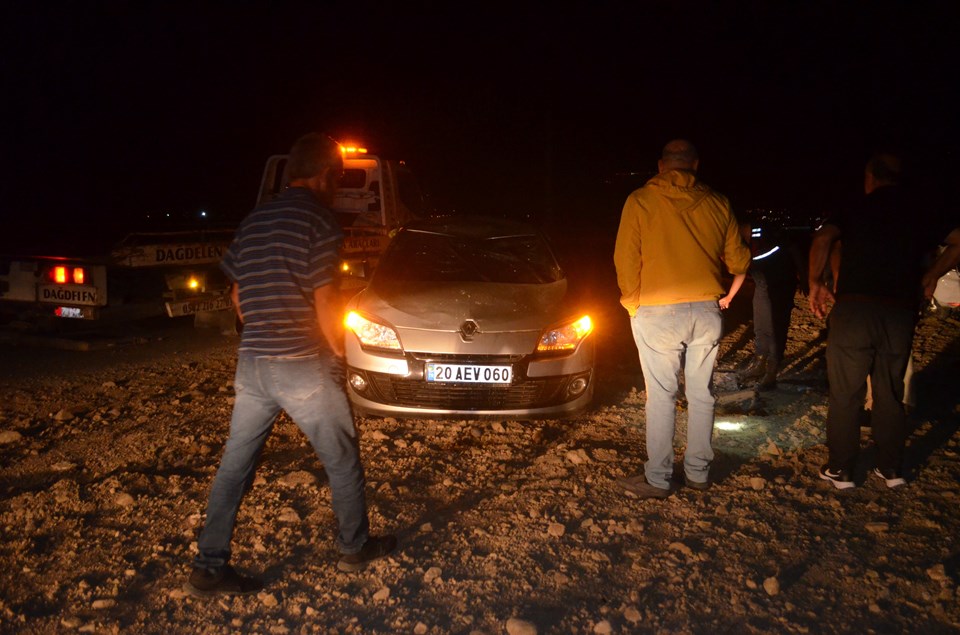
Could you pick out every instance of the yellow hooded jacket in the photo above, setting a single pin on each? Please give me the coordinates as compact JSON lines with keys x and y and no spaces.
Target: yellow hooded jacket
{"x":675,"y":237}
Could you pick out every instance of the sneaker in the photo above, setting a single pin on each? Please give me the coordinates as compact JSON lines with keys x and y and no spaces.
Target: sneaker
{"x":375,"y":547}
{"x":639,"y":486}
{"x":220,"y":581}
{"x":840,"y":478}
{"x":893,"y":478}
{"x":700,"y":486}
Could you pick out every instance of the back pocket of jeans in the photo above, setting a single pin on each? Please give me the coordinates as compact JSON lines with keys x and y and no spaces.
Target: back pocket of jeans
{"x":299,"y":379}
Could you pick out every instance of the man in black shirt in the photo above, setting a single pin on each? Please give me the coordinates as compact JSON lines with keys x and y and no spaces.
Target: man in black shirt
{"x":880,"y":285}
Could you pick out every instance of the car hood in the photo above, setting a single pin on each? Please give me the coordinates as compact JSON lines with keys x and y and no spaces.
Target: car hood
{"x":445,"y":306}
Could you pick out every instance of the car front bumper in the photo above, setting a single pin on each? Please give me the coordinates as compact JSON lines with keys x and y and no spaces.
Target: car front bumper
{"x":542,"y":387}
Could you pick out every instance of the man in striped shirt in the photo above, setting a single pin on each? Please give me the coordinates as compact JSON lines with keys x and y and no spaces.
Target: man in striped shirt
{"x":283,"y":264}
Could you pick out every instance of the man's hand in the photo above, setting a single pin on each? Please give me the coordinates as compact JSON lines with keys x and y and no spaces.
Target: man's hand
{"x":821,"y":298}
{"x":329,"y":309}
{"x":821,"y":249}
{"x":235,"y":298}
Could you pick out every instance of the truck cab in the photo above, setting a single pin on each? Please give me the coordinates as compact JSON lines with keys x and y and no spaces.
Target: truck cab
{"x":376,"y":196}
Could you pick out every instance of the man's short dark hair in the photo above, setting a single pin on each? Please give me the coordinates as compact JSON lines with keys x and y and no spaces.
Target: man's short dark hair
{"x":885,"y":167}
{"x":310,"y":154}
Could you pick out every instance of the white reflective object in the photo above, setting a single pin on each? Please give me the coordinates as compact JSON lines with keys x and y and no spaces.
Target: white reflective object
{"x":729,"y":426}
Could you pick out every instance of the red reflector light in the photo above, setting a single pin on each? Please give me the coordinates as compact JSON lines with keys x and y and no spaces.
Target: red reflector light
{"x":60,"y":275}
{"x":78,"y":275}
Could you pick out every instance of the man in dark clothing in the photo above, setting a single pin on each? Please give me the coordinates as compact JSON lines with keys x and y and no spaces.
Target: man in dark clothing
{"x":779,"y":257}
{"x":283,"y":264}
{"x":879,"y":288}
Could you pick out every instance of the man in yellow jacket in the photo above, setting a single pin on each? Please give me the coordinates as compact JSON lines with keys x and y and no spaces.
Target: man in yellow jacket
{"x":676,"y":237}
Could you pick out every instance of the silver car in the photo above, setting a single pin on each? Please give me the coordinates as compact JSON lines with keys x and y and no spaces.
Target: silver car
{"x":468,"y":317}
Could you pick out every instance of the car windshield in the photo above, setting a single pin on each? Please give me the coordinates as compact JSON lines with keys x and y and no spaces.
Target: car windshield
{"x":421,"y":256}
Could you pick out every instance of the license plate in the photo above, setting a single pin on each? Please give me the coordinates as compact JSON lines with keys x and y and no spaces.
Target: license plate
{"x":195,"y":305}
{"x":468,"y":373}
{"x":74,"y":312}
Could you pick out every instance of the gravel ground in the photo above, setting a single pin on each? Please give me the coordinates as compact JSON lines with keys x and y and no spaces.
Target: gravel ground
{"x":106,"y":457}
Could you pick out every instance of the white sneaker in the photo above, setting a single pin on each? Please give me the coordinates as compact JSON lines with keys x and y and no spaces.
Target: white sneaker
{"x":839,"y":478}
{"x":893,"y":478}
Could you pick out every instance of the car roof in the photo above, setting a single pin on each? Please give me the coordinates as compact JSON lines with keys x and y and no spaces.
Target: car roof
{"x":471,"y":226}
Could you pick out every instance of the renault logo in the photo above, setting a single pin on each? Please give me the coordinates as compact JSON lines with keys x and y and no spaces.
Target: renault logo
{"x":467,"y":330}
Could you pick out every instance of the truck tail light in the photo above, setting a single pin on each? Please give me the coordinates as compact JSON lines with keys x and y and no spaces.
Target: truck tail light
{"x":62,"y":274}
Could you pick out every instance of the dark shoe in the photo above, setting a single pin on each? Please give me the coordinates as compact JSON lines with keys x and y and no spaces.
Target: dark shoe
{"x":639,"y":486}
{"x":700,"y":486}
{"x":769,"y":379}
{"x":893,"y":478}
{"x":220,"y":581}
{"x":840,"y":478}
{"x":375,"y":547}
{"x":753,"y":370}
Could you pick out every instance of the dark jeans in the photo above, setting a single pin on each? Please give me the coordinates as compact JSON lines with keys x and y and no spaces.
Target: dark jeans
{"x":773,"y":299}
{"x":867,"y":338}
{"x":310,"y":390}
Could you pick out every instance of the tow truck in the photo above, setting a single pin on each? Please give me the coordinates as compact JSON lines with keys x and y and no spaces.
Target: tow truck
{"x":144,"y":274}
{"x":376,"y":196}
{"x":177,"y":272}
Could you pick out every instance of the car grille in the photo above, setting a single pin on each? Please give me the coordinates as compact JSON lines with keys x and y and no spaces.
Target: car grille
{"x":527,"y":393}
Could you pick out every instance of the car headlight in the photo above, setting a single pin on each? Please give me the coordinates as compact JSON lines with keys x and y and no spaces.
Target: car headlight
{"x":372,"y":334}
{"x":565,"y":337}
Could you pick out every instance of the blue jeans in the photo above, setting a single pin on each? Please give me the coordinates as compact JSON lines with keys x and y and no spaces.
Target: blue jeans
{"x":666,"y":336}
{"x":310,"y":390}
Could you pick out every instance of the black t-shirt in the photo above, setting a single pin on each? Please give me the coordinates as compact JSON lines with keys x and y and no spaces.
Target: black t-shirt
{"x":887,"y":242}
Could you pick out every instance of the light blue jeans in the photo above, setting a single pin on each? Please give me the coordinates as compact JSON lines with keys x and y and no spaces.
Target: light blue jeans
{"x":666,"y":336}
{"x":310,"y":390}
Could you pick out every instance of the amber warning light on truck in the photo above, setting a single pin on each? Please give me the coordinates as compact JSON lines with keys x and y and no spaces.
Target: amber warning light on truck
{"x":351,"y":150}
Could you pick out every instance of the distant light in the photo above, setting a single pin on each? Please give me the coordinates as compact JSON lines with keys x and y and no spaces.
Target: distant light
{"x":730,"y":426}
{"x":203,"y":213}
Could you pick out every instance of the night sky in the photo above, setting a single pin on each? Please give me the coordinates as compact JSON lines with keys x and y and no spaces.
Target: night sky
{"x":116,"y":110}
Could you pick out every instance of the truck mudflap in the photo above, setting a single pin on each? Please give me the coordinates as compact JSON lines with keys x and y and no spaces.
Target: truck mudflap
{"x":199,"y":304}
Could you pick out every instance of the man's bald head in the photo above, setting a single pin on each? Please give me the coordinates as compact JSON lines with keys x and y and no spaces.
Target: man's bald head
{"x":679,"y":154}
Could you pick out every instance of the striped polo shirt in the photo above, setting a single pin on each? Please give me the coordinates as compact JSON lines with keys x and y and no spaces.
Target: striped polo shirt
{"x":283,"y":250}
